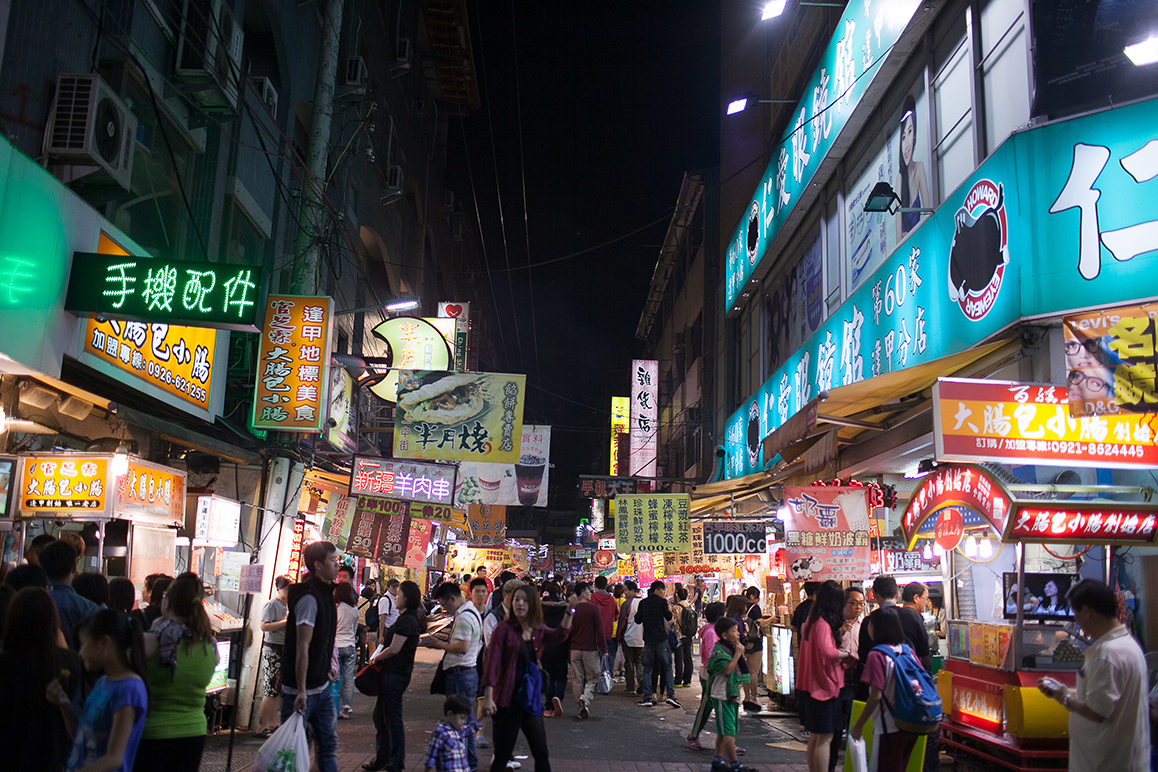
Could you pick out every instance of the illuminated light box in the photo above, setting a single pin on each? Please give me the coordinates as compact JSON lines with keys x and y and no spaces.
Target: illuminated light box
{"x":185,"y":292}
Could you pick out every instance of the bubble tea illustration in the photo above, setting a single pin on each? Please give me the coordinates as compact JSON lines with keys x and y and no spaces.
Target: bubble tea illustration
{"x":529,"y":476}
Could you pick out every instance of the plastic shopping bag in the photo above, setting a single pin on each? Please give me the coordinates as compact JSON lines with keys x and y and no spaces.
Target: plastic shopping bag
{"x":857,"y":755}
{"x":603,"y":685}
{"x":286,"y":750}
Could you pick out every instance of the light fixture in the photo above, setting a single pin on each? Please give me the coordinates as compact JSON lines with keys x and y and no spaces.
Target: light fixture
{"x":403,"y":304}
{"x":882,"y":198}
{"x":773,"y":9}
{"x":744,"y":101}
{"x":927,"y":554}
{"x":1143,"y":53}
{"x":120,"y":464}
{"x":782,"y":513}
{"x":971,"y":547}
{"x":938,"y":550}
{"x":985,"y":549}
{"x":738,"y":105}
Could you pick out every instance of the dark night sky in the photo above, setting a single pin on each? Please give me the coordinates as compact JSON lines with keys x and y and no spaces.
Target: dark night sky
{"x":618,"y":100}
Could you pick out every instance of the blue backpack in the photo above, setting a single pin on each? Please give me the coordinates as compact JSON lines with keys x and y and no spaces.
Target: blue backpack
{"x":918,"y":706}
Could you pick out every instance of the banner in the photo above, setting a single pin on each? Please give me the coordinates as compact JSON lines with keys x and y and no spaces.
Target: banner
{"x":338,"y":517}
{"x":488,"y":525}
{"x":342,"y":412}
{"x":620,"y":425}
{"x":978,"y":420}
{"x":648,"y":568}
{"x":399,"y":479}
{"x":731,"y":538}
{"x":523,"y":484}
{"x":653,"y":523}
{"x":415,"y":344}
{"x":644,"y":417}
{"x":417,"y":543}
{"x":605,"y":487}
{"x":827,"y":533}
{"x":1111,"y":357}
{"x":293,"y":364}
{"x":380,"y":529}
{"x":459,"y":416}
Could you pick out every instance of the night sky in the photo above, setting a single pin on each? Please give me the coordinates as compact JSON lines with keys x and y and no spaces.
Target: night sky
{"x":618,"y":100}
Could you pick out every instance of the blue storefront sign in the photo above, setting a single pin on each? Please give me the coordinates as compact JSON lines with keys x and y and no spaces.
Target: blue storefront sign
{"x":1057,"y":220}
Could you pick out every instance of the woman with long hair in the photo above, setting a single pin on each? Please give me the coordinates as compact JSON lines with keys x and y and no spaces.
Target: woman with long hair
{"x":122,"y":594}
{"x":819,"y":675}
{"x":181,"y":655}
{"x":910,"y":183}
{"x":345,"y":643}
{"x":32,"y":731}
{"x":513,"y":679}
{"x":396,"y":660}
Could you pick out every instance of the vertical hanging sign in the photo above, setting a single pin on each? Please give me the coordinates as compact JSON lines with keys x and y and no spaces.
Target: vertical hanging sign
{"x":460,"y":313}
{"x":293,"y":366}
{"x":644,"y":416}
{"x":620,"y":423}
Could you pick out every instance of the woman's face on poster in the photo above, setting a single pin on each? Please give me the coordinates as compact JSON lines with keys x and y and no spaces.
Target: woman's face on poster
{"x":908,"y":138}
{"x":1090,"y":384}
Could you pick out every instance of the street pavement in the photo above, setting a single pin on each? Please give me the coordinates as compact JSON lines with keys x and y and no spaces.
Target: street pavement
{"x":618,"y":737}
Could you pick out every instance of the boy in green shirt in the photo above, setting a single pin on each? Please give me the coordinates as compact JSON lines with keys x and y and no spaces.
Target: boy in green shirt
{"x":726,"y":671}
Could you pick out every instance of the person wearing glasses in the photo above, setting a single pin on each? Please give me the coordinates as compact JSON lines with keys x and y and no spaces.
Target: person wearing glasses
{"x":849,"y":641}
{"x":1089,"y":378}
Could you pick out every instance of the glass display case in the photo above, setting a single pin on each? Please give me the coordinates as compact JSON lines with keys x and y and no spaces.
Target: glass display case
{"x":1052,"y":646}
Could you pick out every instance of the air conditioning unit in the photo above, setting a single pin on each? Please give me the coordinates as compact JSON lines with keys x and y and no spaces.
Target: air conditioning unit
{"x":679,"y":341}
{"x":456,"y":230}
{"x":402,"y":54}
{"x":448,"y":199}
{"x":209,"y":53}
{"x":393,"y":190}
{"x":267,"y":93}
{"x":90,"y":128}
{"x":356,"y":72}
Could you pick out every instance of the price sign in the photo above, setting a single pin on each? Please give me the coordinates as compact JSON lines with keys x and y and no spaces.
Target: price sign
{"x":726,"y":538}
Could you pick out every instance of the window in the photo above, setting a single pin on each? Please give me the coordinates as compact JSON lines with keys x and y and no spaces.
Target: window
{"x":1004,"y":69}
{"x":953,"y":106}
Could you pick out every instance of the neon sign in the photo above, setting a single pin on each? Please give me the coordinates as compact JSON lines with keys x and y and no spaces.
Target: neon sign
{"x":185,"y":292}
{"x":879,"y":495}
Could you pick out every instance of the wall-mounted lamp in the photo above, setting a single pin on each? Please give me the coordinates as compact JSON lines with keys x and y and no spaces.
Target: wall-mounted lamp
{"x":882,"y":198}
{"x":744,"y":101}
{"x":776,"y":7}
{"x":1143,"y":53}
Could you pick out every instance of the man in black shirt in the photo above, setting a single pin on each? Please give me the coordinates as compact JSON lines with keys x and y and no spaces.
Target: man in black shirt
{"x":800,"y":615}
{"x":653,"y":615}
{"x":915,"y":598}
{"x":885,"y":594}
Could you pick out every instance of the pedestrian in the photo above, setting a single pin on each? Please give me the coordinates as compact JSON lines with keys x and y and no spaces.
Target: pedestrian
{"x":696,"y":596}
{"x":885,"y":594}
{"x":1108,"y":724}
{"x":460,"y":662}
{"x":447,"y":750}
{"x":727,"y":672}
{"x":689,"y":626}
{"x":849,"y":640}
{"x":112,"y":719}
{"x":588,"y":647}
{"x":713,"y":612}
{"x":914,"y":598}
{"x":33,"y":735}
{"x":801,"y":612}
{"x":153,"y":611}
{"x":58,"y":559}
{"x":306,"y":669}
{"x":491,"y":620}
{"x":93,"y":586}
{"x":754,"y":621}
{"x":32,"y":554}
{"x":498,"y":594}
{"x":346,"y":576}
{"x":608,"y":612}
{"x":396,"y":656}
{"x":892,"y":745}
{"x":481,"y":573}
{"x":556,"y":656}
{"x":274,"y":615}
{"x":346,"y":643}
{"x":630,"y":636}
{"x":122,"y":594}
{"x":654,"y":614}
{"x":180,"y":657}
{"x":819,"y":673}
{"x":26,"y":575}
{"x":513,"y":680}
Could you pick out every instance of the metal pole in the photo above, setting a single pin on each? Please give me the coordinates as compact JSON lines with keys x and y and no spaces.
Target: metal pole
{"x":305,"y":265}
{"x":1020,"y":606}
{"x":101,"y":546}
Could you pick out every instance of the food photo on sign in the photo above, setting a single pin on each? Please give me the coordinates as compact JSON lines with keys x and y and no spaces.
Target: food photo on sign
{"x":459,"y":416}
{"x":522,"y":484}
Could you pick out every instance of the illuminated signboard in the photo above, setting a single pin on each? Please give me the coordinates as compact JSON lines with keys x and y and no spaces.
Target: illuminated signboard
{"x":82,"y":485}
{"x":652,"y":523}
{"x":218,"y":522}
{"x":415,"y":344}
{"x":960,"y":486}
{"x":977,"y":420}
{"x":1078,"y":522}
{"x":293,"y":364}
{"x":644,"y":417}
{"x":408,"y":480}
{"x":150,"y":492}
{"x":620,"y":422}
{"x":186,"y":292}
{"x":177,"y":360}
{"x":460,"y":313}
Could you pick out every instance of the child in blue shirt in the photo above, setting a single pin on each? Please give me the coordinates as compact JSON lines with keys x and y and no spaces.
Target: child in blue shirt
{"x":447,"y":749}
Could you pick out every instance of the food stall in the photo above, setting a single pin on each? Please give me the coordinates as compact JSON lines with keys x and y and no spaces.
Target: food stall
{"x":988,"y":687}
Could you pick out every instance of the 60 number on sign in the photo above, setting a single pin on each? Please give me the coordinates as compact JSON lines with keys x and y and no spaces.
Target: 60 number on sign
{"x":735,"y":539}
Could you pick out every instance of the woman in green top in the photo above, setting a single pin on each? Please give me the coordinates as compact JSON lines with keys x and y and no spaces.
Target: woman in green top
{"x":181,"y":656}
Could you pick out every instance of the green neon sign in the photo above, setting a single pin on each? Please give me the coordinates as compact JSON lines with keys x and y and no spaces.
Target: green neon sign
{"x":183,"y":292}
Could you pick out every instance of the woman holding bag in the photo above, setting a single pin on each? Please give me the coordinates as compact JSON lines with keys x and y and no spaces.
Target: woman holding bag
{"x":514,"y":682}
{"x":396,"y":663}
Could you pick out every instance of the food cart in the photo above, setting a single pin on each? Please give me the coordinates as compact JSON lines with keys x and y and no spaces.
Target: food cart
{"x":988,"y":687}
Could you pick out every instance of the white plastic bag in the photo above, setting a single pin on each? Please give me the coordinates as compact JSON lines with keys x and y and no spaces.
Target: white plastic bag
{"x":603,"y":686}
{"x":286,"y":750}
{"x":857,"y":755}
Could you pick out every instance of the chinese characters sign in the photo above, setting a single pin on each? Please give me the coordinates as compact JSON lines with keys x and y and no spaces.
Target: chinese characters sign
{"x":522,"y":484}
{"x":409,"y":480}
{"x":380,"y":529}
{"x":1084,"y":523}
{"x":961,"y":486}
{"x":459,"y":416}
{"x":176,"y":360}
{"x":1111,"y":358}
{"x":977,"y":420}
{"x":186,"y":292}
{"x":488,"y":525}
{"x":460,"y":313}
{"x":415,"y":344}
{"x":620,"y":423}
{"x":727,"y":537}
{"x":644,"y":416}
{"x":293,"y":364}
{"x":417,"y":543}
{"x":826,"y":533}
{"x":68,"y":485}
{"x":605,"y":487}
{"x":652,"y":523}
{"x":152,"y":493}
{"x":338,"y":517}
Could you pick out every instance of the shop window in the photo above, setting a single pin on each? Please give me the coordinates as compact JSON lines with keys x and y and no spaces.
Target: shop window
{"x":953,"y":106}
{"x":1004,"y":70}
{"x":246,"y":244}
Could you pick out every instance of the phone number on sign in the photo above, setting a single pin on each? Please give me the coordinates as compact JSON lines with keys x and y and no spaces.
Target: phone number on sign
{"x":1067,"y":447}
{"x":165,"y":375}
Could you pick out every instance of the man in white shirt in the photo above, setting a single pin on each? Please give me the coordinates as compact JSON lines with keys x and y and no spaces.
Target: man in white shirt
{"x":499,"y":612}
{"x":462,"y":651}
{"x":1109,"y":719}
{"x":387,"y":609}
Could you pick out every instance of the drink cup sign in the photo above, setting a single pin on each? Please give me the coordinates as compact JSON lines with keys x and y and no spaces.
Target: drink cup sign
{"x":529,"y":476}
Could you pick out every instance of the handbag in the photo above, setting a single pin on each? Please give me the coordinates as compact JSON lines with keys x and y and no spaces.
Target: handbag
{"x":369,"y":680}
{"x":286,"y":750}
{"x":438,"y":683}
{"x":529,"y":693}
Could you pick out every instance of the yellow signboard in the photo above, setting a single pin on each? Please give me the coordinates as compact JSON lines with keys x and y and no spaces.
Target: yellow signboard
{"x":415,"y":344}
{"x":443,"y":416}
{"x":176,"y":360}
{"x":63,"y":485}
{"x":293,"y":364}
{"x":620,"y":424}
{"x":151,"y":492}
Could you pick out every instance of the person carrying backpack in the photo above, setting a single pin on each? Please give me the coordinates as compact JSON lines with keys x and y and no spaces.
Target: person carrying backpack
{"x":903,"y":701}
{"x":689,"y":625}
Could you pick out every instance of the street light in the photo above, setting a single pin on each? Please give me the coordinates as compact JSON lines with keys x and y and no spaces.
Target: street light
{"x":776,"y":7}
{"x":882,"y":198}
{"x":394,"y":306}
{"x":744,"y":101}
{"x":1143,"y":53}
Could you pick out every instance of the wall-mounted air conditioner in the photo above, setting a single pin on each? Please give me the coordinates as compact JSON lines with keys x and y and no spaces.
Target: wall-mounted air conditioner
{"x":267,"y":93}
{"x":91,"y":129}
{"x":356,"y":72}
{"x":209,"y":53}
{"x":402,"y":54}
{"x":393,"y":189}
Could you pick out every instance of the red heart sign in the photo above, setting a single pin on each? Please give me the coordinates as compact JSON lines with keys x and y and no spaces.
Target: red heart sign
{"x":453,"y":310}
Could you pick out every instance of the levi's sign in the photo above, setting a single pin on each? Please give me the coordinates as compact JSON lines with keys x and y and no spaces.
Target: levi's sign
{"x":185,"y":292}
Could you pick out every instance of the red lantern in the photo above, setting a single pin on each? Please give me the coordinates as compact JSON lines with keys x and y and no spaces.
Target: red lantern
{"x":752,"y":563}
